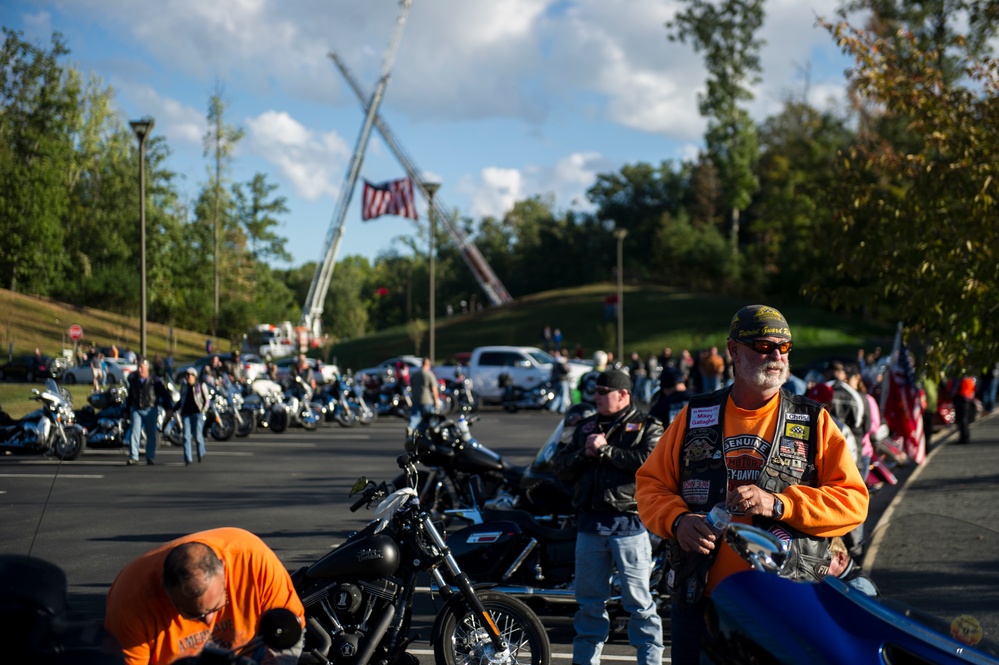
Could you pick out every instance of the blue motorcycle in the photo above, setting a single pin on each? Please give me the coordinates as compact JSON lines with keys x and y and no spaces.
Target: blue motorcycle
{"x":938,"y":601}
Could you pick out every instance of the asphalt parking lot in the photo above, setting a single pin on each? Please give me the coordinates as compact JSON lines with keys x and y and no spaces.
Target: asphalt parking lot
{"x":94,"y":515}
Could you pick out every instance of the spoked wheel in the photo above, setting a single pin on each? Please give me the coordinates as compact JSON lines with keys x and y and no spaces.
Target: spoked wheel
{"x":308,"y":420}
{"x":173,"y":433}
{"x":279,"y":421}
{"x":71,"y":448}
{"x":224,"y":427}
{"x":366,"y":414}
{"x":347,"y":417}
{"x":464,"y":639}
{"x":249,"y":423}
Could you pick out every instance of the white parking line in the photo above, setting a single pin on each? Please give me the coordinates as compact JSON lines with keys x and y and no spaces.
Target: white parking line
{"x":50,"y":476}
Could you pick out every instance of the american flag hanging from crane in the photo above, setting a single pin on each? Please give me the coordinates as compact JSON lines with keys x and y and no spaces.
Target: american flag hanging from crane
{"x":388,"y":198}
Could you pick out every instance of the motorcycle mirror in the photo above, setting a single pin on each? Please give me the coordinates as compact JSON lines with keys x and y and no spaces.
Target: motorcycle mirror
{"x":762,"y":550}
{"x":279,"y":628}
{"x":359,"y":486}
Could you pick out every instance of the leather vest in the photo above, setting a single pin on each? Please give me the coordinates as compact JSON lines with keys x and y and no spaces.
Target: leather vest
{"x":789,"y":461}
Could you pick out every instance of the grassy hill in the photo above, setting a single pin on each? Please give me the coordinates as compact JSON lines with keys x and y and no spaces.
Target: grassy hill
{"x":655,"y":317}
{"x":30,"y":322}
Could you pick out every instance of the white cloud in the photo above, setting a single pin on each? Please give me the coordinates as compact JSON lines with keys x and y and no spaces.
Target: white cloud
{"x":495,"y":193}
{"x":180,"y":123}
{"x":309,"y":160}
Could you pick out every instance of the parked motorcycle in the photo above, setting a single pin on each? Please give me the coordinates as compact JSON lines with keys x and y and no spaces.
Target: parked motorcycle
{"x":458,"y":394}
{"x":387,"y":398}
{"x":516,"y":397}
{"x":340,"y":401}
{"x":452,"y":456}
{"x":297,"y":402}
{"x":359,"y":598}
{"x":932,"y":608}
{"x":266,"y":400}
{"x":105,"y":418}
{"x":50,"y":430}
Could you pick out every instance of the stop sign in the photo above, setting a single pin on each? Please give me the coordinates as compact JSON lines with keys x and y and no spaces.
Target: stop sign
{"x":75,"y":332}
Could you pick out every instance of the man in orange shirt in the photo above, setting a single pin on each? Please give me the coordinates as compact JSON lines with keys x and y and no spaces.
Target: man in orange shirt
{"x":776,"y":460}
{"x":208,"y":588}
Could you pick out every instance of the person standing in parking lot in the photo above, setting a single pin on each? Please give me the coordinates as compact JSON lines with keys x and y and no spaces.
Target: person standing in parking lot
{"x":193,"y":403}
{"x":425,"y":394}
{"x":145,"y":392}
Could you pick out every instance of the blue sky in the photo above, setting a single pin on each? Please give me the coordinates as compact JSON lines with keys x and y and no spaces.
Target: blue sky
{"x":496,"y":100}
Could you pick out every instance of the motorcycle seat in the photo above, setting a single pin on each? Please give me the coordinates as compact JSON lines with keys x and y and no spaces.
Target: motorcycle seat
{"x":529,"y":525}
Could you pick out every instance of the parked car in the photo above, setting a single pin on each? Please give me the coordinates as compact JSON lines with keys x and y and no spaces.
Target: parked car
{"x":118,"y":370}
{"x":526,"y":366}
{"x":30,"y":368}
{"x":324,"y":374}
{"x":253,"y":365}
{"x":381,"y":370}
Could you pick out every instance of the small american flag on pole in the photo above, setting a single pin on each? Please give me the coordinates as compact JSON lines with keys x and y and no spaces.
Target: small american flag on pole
{"x":388,"y":198}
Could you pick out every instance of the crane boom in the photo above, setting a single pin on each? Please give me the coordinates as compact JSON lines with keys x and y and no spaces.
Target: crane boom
{"x":487,"y":279}
{"x":312,"y":310}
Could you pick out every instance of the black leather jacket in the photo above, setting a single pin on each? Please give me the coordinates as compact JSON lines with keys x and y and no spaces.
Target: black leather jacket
{"x":607,"y":481}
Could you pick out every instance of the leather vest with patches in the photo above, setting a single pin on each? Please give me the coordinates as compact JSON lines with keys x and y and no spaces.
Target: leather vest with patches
{"x":791,"y":461}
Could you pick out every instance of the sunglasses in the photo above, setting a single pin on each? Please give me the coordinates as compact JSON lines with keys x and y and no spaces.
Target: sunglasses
{"x":767,"y":347}
{"x":604,"y":390}
{"x":201,"y":617}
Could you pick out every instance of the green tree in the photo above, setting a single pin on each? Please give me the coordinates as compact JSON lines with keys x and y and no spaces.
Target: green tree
{"x":726,"y":32}
{"x":257,"y":213}
{"x":219,"y":143}
{"x":919,"y":224}
{"x":39,"y":104}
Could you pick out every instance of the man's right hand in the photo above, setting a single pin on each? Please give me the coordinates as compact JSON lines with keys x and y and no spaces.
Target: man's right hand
{"x":694,"y":535}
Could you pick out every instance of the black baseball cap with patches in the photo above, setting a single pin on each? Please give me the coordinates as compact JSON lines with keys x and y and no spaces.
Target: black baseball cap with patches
{"x":614,"y":378}
{"x":757,"y":321}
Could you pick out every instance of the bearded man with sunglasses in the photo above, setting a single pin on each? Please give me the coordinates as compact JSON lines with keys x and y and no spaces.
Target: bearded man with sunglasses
{"x":205,"y":589}
{"x":774,"y":459}
{"x":599,"y":463}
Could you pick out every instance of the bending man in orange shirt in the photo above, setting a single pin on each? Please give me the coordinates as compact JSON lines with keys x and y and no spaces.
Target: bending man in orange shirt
{"x":205,"y":588}
{"x":775,"y":459}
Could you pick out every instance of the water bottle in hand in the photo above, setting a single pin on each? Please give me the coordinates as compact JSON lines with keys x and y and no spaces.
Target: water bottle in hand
{"x":718,"y":518}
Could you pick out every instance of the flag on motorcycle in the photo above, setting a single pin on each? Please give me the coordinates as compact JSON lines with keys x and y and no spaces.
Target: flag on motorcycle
{"x":903,"y":408}
{"x":388,"y":198}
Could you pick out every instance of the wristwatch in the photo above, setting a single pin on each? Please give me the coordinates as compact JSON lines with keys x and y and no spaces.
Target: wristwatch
{"x":778,"y":508}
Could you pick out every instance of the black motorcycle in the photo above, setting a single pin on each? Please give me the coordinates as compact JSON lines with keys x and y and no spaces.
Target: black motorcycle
{"x":359,"y":598}
{"x":387,"y":398}
{"x":458,"y":395}
{"x":50,"y":430}
{"x":516,"y":397}
{"x":105,"y":418}
{"x":451,"y":456}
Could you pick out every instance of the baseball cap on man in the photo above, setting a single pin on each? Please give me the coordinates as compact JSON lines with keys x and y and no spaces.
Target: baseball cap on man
{"x":614,"y":378}
{"x":756,"y":321}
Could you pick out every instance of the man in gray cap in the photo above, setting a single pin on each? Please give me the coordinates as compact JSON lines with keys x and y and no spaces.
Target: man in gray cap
{"x":773,"y":459}
{"x":599,"y":462}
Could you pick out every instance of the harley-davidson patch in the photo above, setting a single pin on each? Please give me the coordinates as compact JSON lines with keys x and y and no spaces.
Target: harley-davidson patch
{"x":700,"y":444}
{"x":589,"y":427}
{"x":705,"y":416}
{"x":632,"y":427}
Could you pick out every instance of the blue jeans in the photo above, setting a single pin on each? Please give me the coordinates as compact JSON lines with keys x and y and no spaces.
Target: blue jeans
{"x":194,"y":422}
{"x":563,"y":397}
{"x":596,"y":558}
{"x":417,"y":412}
{"x":146,"y":419}
{"x":687,"y":632}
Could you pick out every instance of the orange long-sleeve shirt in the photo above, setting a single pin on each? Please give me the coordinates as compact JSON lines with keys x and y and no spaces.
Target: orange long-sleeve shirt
{"x":150,"y":629}
{"x":835,"y":506}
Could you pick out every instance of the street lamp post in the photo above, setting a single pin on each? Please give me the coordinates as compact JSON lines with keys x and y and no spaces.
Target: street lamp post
{"x":142,"y":129}
{"x":431,"y":189}
{"x":620,"y":235}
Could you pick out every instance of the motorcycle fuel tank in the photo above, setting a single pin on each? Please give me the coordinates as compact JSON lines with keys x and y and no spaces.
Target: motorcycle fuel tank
{"x":476,"y":458}
{"x":485,"y":551}
{"x":372,"y":557}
